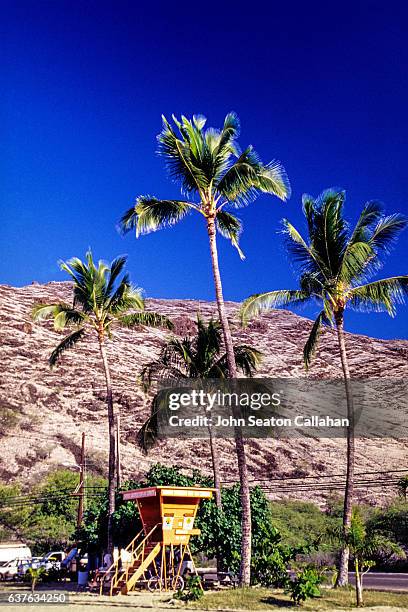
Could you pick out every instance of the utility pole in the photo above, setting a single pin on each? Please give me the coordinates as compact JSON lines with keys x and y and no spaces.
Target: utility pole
{"x":81,"y":484}
{"x":118,"y":468}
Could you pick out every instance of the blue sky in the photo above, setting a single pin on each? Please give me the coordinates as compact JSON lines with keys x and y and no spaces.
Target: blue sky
{"x":320,"y":86}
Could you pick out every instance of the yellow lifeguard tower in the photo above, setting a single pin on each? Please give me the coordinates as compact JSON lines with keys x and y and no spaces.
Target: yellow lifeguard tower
{"x":156,"y":556}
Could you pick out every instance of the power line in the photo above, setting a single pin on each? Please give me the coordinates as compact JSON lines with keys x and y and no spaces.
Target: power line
{"x":22,"y":503}
{"x":279,"y":478}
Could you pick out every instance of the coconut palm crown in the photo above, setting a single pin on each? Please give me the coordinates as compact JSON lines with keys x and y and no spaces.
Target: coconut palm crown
{"x":337,"y":263}
{"x":192,"y":357}
{"x":199,"y":357}
{"x":101,"y":301}
{"x":214,"y":175}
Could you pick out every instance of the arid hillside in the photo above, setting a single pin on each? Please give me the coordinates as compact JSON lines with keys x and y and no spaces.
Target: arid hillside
{"x":44,"y":412}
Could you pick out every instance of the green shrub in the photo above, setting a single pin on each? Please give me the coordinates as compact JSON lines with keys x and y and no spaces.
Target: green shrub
{"x":193,"y":590}
{"x":305,"y":585}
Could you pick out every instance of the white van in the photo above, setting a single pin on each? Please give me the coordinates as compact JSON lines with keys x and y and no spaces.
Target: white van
{"x":14,"y":550}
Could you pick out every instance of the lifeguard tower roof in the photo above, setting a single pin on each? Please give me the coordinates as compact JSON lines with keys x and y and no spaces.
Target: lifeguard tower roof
{"x":171,"y":508}
{"x":168,"y":491}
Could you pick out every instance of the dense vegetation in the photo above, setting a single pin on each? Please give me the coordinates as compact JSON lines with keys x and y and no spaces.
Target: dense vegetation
{"x":46,"y":517}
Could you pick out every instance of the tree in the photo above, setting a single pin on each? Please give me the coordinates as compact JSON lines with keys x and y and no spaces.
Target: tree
{"x":364,"y":547}
{"x":101,"y":300}
{"x":402,"y":486}
{"x":34,"y":575}
{"x":208,"y":164}
{"x":335,"y":265}
{"x":197,"y":357}
{"x":45,"y":516}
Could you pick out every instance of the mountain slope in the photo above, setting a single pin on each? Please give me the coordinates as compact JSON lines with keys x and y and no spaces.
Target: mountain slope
{"x":43,"y":412}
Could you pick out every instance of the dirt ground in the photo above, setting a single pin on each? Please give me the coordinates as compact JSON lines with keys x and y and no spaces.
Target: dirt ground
{"x":140,"y":601}
{"x":135,"y":602}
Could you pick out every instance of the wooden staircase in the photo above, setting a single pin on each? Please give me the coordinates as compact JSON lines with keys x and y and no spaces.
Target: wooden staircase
{"x":142,"y":554}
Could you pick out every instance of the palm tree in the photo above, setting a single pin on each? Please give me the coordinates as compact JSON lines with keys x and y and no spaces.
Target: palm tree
{"x":214,"y":175}
{"x":335,"y":265}
{"x":100,"y":302}
{"x":197,"y":357}
{"x":365,"y":546}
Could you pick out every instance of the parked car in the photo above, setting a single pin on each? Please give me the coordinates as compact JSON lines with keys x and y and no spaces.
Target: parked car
{"x":24,"y":565}
{"x":51,"y":560}
{"x":9,"y":569}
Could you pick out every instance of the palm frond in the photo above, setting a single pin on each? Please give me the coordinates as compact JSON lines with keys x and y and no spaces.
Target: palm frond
{"x":126,"y":297}
{"x":357,"y":262}
{"x":308,"y":209}
{"x":310,"y":347}
{"x":273,"y":179}
{"x":230,"y":227}
{"x":386,"y":232}
{"x":145,"y":318}
{"x":260,"y":302}
{"x":206,"y":347}
{"x":370,"y":215}
{"x":229,"y":133}
{"x":89,"y":281}
{"x":312,"y":284}
{"x":46,"y":312}
{"x":237,"y":183}
{"x":248,"y":176}
{"x":62,"y":314}
{"x":199,"y":121}
{"x":247,"y":359}
{"x":179,"y":152}
{"x":303,"y":254}
{"x":158,"y":371}
{"x":115,"y":270}
{"x":181,"y":354}
{"x":147,"y":435}
{"x":67,"y":343}
{"x":329,"y":231}
{"x":379,"y":296}
{"x":150,"y":214}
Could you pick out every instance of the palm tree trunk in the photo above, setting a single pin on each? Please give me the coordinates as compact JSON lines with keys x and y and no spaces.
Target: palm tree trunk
{"x":229,"y":347}
{"x":112,"y":443}
{"x":246,"y":541}
{"x":359,"y":584}
{"x":216,"y":469}
{"x":217,"y":485}
{"x":342,"y":576}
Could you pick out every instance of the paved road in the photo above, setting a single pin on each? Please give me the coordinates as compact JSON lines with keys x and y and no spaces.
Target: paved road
{"x":384,"y":581}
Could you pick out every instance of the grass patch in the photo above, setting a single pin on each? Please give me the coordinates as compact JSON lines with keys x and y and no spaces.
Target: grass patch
{"x":268,"y":599}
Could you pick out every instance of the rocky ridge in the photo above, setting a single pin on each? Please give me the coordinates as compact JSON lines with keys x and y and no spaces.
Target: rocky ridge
{"x":43,"y":412}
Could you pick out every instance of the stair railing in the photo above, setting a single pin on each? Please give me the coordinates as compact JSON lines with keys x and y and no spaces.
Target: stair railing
{"x":137,"y":552}
{"x":115,"y":564}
